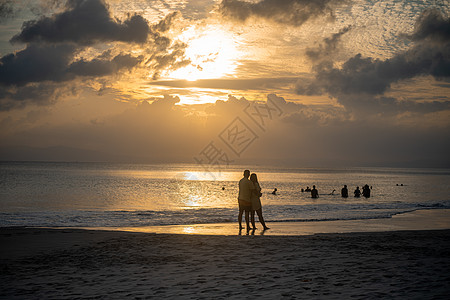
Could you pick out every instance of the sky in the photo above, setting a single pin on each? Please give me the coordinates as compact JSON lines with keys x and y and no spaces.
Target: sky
{"x":299,"y":83}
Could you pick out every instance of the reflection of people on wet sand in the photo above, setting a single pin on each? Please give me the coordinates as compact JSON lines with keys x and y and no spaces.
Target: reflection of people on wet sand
{"x":244,"y":199}
{"x":357,"y":192}
{"x":314,"y":192}
{"x":366,"y":191}
{"x":256,"y":202}
{"x":274,"y":191}
{"x":344,"y":192}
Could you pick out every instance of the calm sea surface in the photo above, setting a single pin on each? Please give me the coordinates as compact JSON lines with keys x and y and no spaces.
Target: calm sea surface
{"x":133,"y":195}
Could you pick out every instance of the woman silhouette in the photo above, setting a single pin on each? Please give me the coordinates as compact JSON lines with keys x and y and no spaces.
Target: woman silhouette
{"x":256,"y":202}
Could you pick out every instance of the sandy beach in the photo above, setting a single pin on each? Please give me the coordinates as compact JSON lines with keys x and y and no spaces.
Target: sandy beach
{"x":40,"y":263}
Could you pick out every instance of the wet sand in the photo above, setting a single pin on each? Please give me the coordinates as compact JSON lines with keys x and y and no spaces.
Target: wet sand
{"x":42,"y":263}
{"x":430,"y":219}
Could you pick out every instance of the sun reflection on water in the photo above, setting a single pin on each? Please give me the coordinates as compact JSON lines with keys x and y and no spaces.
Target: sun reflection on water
{"x":193,"y":201}
{"x":188,"y":229}
{"x":209,"y":176}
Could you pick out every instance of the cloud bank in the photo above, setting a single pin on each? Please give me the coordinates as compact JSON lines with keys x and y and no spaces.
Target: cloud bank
{"x":54,"y":44}
{"x":84,"y":23}
{"x":362,"y":82}
{"x":162,"y":131}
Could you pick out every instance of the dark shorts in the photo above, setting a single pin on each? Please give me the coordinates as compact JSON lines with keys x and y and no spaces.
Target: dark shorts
{"x":243,"y":206}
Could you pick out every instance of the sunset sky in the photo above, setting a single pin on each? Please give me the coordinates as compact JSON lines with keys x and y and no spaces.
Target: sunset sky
{"x":351,"y":83}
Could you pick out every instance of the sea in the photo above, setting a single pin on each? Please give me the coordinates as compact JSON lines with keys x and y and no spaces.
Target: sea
{"x":75,"y":194}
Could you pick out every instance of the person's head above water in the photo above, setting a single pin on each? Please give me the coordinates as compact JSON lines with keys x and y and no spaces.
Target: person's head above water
{"x":246,"y":173}
{"x":253,"y":177}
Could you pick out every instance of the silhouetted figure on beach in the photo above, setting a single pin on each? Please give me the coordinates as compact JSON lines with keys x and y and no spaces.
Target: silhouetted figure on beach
{"x":244,"y":199}
{"x":302,"y":190}
{"x":366,"y":191}
{"x":274,"y":191}
{"x":344,"y":192}
{"x":223,"y":188}
{"x":357,"y":192}
{"x":256,"y":202}
{"x":307,"y":189}
{"x":314,"y":192}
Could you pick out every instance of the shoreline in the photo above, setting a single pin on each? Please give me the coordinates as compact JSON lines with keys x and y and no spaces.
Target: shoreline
{"x":421,"y":219}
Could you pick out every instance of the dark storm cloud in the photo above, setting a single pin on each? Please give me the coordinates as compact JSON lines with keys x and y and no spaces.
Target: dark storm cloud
{"x":84,"y":22}
{"x":432,"y":25}
{"x":362,"y":81}
{"x":54,"y":42}
{"x":38,"y":63}
{"x":329,"y":46}
{"x":374,"y":76}
{"x":39,"y":93}
{"x":53,"y":61}
{"x":35,"y":64}
{"x":291,"y":12}
{"x":103,"y":67}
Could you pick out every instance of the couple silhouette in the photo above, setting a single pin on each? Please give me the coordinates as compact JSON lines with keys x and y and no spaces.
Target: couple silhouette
{"x":250,"y":201}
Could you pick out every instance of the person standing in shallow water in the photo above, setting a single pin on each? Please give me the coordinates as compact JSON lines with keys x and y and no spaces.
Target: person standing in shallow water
{"x":256,"y":202}
{"x":366,"y":191}
{"x":357,"y":192}
{"x":314,"y":192}
{"x":344,"y":192}
{"x":244,"y":199}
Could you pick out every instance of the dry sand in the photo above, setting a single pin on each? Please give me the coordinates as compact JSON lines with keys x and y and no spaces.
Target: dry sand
{"x":81,"y":264}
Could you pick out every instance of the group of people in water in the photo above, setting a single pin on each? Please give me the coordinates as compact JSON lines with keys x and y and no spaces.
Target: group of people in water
{"x":365,"y":191}
{"x":344,"y":191}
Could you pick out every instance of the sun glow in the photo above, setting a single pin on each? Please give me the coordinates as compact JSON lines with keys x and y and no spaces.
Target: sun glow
{"x":212,"y":51}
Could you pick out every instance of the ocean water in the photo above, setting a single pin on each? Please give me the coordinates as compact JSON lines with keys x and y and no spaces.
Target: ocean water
{"x":134,"y":195}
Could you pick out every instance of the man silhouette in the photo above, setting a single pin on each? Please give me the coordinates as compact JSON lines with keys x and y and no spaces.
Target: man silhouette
{"x":244,"y":199}
{"x":314,"y":192}
{"x":366,"y":191}
{"x":344,"y":192}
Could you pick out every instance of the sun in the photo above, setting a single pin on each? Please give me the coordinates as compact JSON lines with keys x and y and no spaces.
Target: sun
{"x":213,"y":53}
